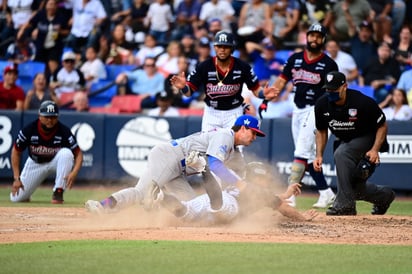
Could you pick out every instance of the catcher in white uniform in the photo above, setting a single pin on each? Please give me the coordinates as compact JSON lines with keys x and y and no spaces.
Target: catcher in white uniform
{"x":259,"y":193}
{"x":170,"y":163}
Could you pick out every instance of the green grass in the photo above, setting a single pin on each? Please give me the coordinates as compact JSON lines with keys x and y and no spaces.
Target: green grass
{"x":201,"y":257}
{"x":114,"y":256}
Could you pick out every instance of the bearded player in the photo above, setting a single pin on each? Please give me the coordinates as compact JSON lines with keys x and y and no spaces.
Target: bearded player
{"x":307,"y":71}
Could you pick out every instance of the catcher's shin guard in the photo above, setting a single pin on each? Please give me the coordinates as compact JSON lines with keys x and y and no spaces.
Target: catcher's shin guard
{"x":297,"y":171}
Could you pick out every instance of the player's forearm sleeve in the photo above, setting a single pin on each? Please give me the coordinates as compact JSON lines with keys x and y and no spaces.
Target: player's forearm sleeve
{"x":220,"y":170}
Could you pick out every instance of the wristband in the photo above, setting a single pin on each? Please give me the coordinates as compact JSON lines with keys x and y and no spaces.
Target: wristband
{"x":17,"y":179}
{"x":184,"y":90}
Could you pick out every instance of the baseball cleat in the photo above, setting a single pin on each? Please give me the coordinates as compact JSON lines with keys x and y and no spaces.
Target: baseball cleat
{"x":326,"y":198}
{"x":57,"y":197}
{"x":94,"y":207}
{"x":341,"y":211}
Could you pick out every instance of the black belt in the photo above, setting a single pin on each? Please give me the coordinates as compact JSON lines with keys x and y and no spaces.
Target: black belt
{"x":224,"y":107}
{"x":303,"y":105}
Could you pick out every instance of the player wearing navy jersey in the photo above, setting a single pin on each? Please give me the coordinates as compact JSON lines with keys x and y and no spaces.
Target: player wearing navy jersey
{"x":52,"y":149}
{"x":221,"y":78}
{"x":307,"y":71}
{"x":360,"y":129}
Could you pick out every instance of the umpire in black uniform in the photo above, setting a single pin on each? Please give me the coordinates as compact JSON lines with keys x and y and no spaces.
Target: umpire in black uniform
{"x":360,"y":128}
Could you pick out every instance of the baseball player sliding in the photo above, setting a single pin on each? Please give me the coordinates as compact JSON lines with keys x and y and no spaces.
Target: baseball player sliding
{"x":52,"y":150}
{"x":169,"y":164}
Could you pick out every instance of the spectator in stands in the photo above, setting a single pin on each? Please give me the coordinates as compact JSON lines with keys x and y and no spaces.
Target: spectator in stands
{"x":39,"y":93}
{"x":403,"y":48}
{"x":145,"y":82}
{"x":158,"y":19}
{"x":315,"y":11}
{"x":18,"y":13}
{"x":22,"y":50}
{"x":164,"y":106}
{"x":167,"y":62}
{"x":405,"y":84}
{"x":11,"y":95}
{"x":253,"y":24}
{"x":138,"y":12}
{"x":264,"y":61}
{"x":396,"y":106}
{"x":398,"y":14}
{"x":203,"y":50}
{"x":345,"y":61}
{"x":93,"y":69}
{"x":382,"y":21}
{"x":86,"y":23}
{"x":118,"y":11}
{"x":48,"y":29}
{"x":150,"y":48}
{"x":187,"y":18}
{"x":188,"y":46}
{"x":81,"y":101}
{"x":345,"y":16}
{"x":381,"y":72}
{"x":67,"y":78}
{"x":362,"y":45}
{"x":284,"y":20}
{"x":217,"y":9}
{"x":115,"y":49}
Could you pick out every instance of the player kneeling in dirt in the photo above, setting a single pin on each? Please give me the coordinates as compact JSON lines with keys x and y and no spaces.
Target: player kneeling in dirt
{"x":52,"y":150}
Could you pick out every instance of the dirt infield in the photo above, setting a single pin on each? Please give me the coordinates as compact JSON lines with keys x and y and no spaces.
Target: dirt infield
{"x":51,"y":224}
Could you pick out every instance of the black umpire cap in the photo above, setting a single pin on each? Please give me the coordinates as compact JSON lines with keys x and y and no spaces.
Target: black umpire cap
{"x":334,"y":80}
{"x":49,"y":109}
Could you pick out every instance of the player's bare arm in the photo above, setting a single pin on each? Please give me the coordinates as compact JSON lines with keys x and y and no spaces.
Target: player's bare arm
{"x":71,"y":177}
{"x":321,"y":140}
{"x":15,"y":162}
{"x":373,"y":153}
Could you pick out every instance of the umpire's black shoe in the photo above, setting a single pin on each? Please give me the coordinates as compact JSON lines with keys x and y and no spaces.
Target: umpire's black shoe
{"x":381,"y":209}
{"x":340,"y":211}
{"x":57,"y":197}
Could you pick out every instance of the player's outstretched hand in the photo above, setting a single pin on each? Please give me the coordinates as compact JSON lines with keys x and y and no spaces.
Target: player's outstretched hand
{"x":270,"y":92}
{"x":178,"y":81}
{"x":17,"y":184}
{"x":70,"y":180}
{"x":310,"y":214}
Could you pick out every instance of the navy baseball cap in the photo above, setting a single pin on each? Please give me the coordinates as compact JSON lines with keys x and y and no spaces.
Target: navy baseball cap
{"x":334,"y":80}
{"x":250,"y":122}
{"x":49,"y":109}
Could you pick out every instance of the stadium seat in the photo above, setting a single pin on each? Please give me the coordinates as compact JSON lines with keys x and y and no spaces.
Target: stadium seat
{"x":127,"y":103}
{"x":114,"y":70}
{"x":106,"y":110}
{"x":65,"y":98}
{"x":102,"y":98}
{"x":367,"y":90}
{"x":30,"y":69}
{"x":283,"y":54}
{"x":191,"y":111}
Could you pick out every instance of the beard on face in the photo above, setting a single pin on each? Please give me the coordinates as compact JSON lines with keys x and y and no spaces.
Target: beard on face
{"x":316,"y":49}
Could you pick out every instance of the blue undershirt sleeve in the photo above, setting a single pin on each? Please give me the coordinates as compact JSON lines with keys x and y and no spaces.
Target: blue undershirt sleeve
{"x":221,"y":171}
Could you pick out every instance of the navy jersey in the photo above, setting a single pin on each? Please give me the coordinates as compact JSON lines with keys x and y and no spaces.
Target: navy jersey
{"x":359,"y":116}
{"x":223,"y":91}
{"x":308,"y":76}
{"x":42,"y":148}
